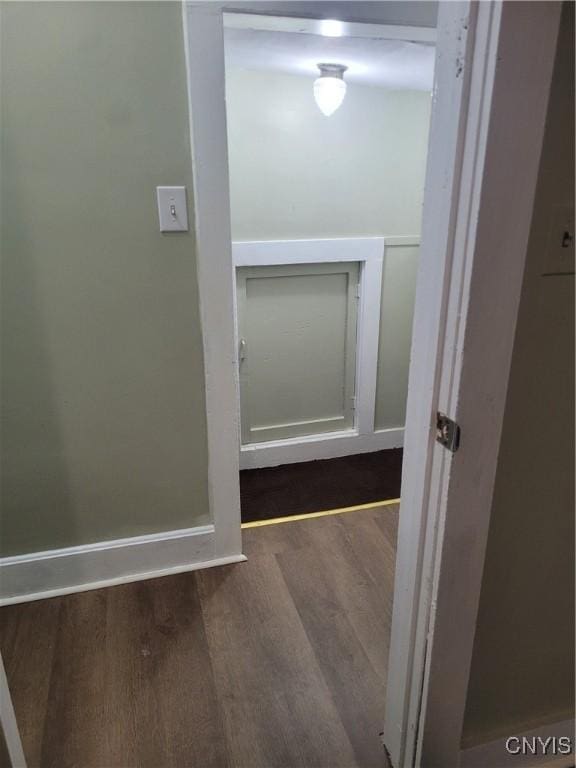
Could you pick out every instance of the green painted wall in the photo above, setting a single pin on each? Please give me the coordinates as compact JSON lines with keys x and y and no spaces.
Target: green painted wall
{"x":522,"y":673}
{"x":299,"y":324}
{"x":295,"y":173}
{"x":103,"y":413}
{"x":396,"y":313}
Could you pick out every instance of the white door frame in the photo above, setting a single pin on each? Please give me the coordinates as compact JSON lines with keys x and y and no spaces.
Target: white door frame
{"x":204,"y":52}
{"x":494,"y":66}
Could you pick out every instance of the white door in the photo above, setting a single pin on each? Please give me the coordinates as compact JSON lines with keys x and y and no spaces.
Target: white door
{"x":494,"y":69}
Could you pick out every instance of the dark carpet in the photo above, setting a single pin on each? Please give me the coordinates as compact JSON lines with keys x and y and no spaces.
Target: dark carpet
{"x":315,"y":486}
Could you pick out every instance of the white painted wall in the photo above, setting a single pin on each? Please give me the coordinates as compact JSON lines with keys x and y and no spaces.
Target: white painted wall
{"x":295,"y":173}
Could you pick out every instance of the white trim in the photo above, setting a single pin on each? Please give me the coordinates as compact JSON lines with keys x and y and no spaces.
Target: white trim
{"x":8,"y":723}
{"x":402,"y":240}
{"x":473,"y":250}
{"x":101,"y":546}
{"x":494,"y":753}
{"x":313,"y":447}
{"x":204,"y":50}
{"x":266,"y":253}
{"x":267,"y":23}
{"x":107,"y":563}
{"x":371,"y":253}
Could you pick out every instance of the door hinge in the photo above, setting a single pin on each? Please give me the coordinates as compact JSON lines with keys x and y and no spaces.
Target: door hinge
{"x":447,"y":432}
{"x":358,"y":291}
{"x":241,"y":350}
{"x":354,"y":400}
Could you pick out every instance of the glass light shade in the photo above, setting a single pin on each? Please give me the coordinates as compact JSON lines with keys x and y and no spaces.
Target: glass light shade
{"x":331,"y":28}
{"x":329,"y":93}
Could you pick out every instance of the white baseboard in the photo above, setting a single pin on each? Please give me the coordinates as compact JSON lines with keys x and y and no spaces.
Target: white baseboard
{"x":76,"y":569}
{"x":494,"y":754}
{"x":313,"y":447}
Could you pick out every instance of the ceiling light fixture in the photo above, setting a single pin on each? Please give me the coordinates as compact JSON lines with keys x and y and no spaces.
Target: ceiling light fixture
{"x":330,"y":88}
{"x":331,"y":28}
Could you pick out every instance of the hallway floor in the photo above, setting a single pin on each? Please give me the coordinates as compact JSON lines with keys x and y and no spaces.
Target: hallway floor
{"x":280,"y":661}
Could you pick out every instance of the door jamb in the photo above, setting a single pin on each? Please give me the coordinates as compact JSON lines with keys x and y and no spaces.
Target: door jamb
{"x":204,"y":52}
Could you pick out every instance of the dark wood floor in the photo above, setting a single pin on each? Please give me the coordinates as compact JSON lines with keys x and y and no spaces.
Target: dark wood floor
{"x":312,"y":486}
{"x":278,"y":662}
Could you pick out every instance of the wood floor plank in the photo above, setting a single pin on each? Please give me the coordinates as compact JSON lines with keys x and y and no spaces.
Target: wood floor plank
{"x":132,"y":729}
{"x":28,"y":639}
{"x":334,"y":624}
{"x":371,"y":612}
{"x":372,"y":542}
{"x":163,"y":707}
{"x":277,"y":707}
{"x":273,"y":539}
{"x":278,"y":662}
{"x":131,"y":683}
{"x":77,"y":701}
{"x":360,"y":565}
{"x":183,"y":677}
{"x":388,"y":522}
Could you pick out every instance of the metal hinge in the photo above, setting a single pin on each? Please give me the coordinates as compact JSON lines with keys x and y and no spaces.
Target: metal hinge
{"x":358,"y":291}
{"x":241,"y":350}
{"x":447,"y":432}
{"x":354,"y":401}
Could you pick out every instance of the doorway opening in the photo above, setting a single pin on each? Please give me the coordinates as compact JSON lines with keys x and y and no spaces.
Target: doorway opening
{"x":442,"y":522}
{"x":327,"y":133}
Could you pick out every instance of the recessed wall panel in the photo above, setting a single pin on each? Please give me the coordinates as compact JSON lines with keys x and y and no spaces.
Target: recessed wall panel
{"x":297,"y":328}
{"x":396,"y":312}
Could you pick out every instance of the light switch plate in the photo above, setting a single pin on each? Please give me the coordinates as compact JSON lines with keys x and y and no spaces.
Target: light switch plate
{"x":172,"y":211}
{"x":559,"y":255}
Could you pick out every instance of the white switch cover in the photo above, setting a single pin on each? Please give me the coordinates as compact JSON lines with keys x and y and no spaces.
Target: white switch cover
{"x":559,"y":255}
{"x":172,"y":212}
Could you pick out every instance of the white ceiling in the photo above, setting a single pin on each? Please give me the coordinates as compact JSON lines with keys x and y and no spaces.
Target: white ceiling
{"x":420,"y":13}
{"x":395,"y":64}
